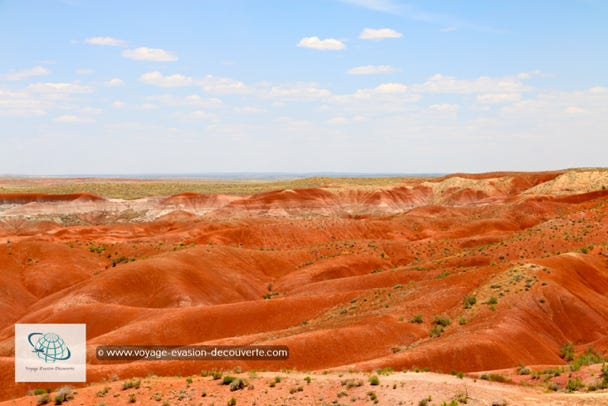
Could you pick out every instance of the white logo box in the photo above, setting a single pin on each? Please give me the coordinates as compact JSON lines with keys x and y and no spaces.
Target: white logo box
{"x":50,"y":353}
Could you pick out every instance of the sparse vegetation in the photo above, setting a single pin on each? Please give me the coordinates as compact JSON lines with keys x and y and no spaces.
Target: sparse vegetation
{"x":469,"y":301}
{"x":374,"y":380}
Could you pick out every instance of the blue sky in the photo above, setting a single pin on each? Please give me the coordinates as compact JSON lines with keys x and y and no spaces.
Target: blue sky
{"x":119,"y":87}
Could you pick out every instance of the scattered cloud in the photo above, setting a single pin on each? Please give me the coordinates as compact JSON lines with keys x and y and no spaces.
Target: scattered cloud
{"x":118,"y":104}
{"x":387,"y":88}
{"x":298,"y":92}
{"x":498,"y":98}
{"x":380,"y":33}
{"x":249,"y":110}
{"x":444,"y":107}
{"x":20,"y":104}
{"x":114,"y":82}
{"x":328,"y":44}
{"x":25,"y":74}
{"x":337,"y":121}
{"x":190,"y":100}
{"x":160,"y":80}
{"x":68,"y":118}
{"x":575,"y":110}
{"x":371,"y":70}
{"x":59,"y":88}
{"x":105,"y":41}
{"x":220,"y":85}
{"x":448,"y":84}
{"x":149,"y":54}
{"x":197,"y":115}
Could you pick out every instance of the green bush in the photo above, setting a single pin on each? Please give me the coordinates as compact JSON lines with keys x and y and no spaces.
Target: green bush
{"x":43,"y":400}
{"x":574,"y":384}
{"x":469,"y":301}
{"x":436,"y":331}
{"x":237,"y":384}
{"x":374,"y":380}
{"x":441,"y":321}
{"x":567,"y":351}
{"x":417,"y":318}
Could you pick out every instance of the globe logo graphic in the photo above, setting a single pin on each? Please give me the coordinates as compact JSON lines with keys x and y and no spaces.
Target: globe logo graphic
{"x":49,"y":347}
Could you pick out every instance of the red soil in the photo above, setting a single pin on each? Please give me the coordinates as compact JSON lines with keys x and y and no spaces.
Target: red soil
{"x":345,"y":271}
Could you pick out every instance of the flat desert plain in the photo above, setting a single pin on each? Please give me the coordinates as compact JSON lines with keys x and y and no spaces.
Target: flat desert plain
{"x":479,"y":289}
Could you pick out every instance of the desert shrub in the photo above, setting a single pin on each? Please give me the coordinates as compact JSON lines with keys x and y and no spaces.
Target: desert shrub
{"x":469,"y":301}
{"x":232,"y":402}
{"x":417,"y":318}
{"x":493,"y":377}
{"x":523,"y":370}
{"x":308,"y":379}
{"x":237,"y":384}
{"x":103,"y":392}
{"x":228,"y":380}
{"x":43,"y":400}
{"x":37,"y":391}
{"x":131,"y":384}
{"x":492,"y":300}
{"x":352,"y":383}
{"x":603,"y":384}
{"x":567,"y":351}
{"x":64,"y":394}
{"x":132,"y":398}
{"x":436,"y":331}
{"x":216,"y":375}
{"x":441,"y":321}
{"x":574,"y":384}
{"x":587,"y":358}
{"x":374,"y":380}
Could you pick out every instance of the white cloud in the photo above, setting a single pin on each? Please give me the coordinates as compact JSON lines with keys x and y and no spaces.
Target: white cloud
{"x":298,"y":92}
{"x":380,"y":33}
{"x":149,"y":54}
{"x":575,"y":110}
{"x":147,"y":106}
{"x":118,"y":104}
{"x":197,"y":115}
{"x":20,"y":104}
{"x":114,"y":82}
{"x":249,"y":110}
{"x":598,"y":90}
{"x":25,"y":74}
{"x":387,"y":88}
{"x":328,"y":44}
{"x":158,"y":79}
{"x":498,"y":98}
{"x":106,"y":41}
{"x":215,"y":84}
{"x":444,"y":107}
{"x":484,"y":84}
{"x":190,"y":100}
{"x":68,"y":118}
{"x":59,"y":88}
{"x":337,"y":121}
{"x":371,"y":70}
